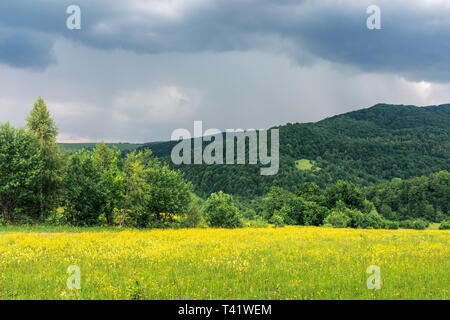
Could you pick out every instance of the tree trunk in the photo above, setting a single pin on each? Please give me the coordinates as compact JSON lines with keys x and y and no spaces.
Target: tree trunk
{"x":41,"y":204}
{"x":122,"y":221}
{"x":6,"y":213}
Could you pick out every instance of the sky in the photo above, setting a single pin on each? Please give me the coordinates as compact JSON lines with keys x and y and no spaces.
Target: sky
{"x":139,"y":69}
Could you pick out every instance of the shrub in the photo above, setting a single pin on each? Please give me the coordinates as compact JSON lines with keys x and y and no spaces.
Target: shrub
{"x":84,"y":196}
{"x":221,"y":212}
{"x":337,"y":219}
{"x":418,"y":224}
{"x":250,"y":214}
{"x":392,"y":225}
{"x":277,"y":219}
{"x":57,"y":218}
{"x":445,"y":225}
{"x":193,"y":217}
{"x":373,"y":220}
{"x":357,"y":218}
{"x":257,"y":223}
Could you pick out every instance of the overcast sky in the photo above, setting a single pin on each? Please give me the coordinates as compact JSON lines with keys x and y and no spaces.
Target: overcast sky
{"x":139,"y":69}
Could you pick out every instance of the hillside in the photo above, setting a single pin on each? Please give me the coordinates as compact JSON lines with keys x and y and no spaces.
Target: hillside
{"x":365,"y":147}
{"x":124,"y":147}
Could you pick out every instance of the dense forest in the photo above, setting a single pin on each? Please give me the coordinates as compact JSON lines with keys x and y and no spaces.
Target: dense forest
{"x":382,"y":167}
{"x":363,"y":147}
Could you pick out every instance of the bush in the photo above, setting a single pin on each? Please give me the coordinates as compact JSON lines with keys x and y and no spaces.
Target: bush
{"x":277,"y":219}
{"x":392,"y":225}
{"x":193,"y":217}
{"x":445,"y":225}
{"x":133,"y":218}
{"x":221,"y":212}
{"x":57,"y":218}
{"x":250,"y":214}
{"x":372,"y":220}
{"x":357,"y":218}
{"x":256,"y":223}
{"x":418,"y":224}
{"x":337,"y":219}
{"x":84,"y":196}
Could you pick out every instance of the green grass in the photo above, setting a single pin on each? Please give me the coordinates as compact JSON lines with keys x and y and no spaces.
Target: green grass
{"x":52,"y":229}
{"x":305,"y":164}
{"x":267,"y":263}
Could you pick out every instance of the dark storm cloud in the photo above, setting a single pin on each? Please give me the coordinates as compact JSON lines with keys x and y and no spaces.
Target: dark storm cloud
{"x":25,"y":49}
{"x":413,"y":41}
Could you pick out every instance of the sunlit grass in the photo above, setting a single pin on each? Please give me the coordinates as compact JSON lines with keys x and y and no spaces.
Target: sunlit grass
{"x":305,"y":164}
{"x":269,"y":263}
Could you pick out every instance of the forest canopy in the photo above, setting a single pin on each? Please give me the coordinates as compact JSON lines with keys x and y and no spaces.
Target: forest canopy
{"x":382,"y":167}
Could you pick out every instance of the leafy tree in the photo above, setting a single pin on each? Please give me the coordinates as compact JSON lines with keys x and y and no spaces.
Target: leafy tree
{"x":314,"y":214}
{"x":373,"y":220}
{"x":346,"y":192}
{"x":418,"y":224}
{"x":221,"y":212}
{"x":393,"y":225}
{"x":445,"y":225}
{"x":83,"y":191}
{"x":276,"y":199}
{"x":44,"y":129}
{"x":153,"y":191}
{"x":425,"y":197}
{"x":169,"y":194}
{"x":136,"y":192}
{"x":193,"y":217}
{"x":19,"y":168}
{"x":106,"y":160}
{"x":277,"y":218}
{"x":337,"y":219}
{"x":250,"y":214}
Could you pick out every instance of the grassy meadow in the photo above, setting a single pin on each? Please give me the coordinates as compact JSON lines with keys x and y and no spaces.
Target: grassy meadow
{"x":267,"y":263}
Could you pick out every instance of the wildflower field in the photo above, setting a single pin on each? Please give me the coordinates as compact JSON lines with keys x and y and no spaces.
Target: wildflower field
{"x":268,"y":263}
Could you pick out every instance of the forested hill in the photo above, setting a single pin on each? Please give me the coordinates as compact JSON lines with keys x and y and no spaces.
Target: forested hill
{"x":365,"y":147}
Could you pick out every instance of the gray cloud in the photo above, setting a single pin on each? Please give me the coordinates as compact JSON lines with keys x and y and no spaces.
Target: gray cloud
{"x":413,"y":41}
{"x":137,"y":70}
{"x":21,"y":49}
{"x":123,"y":96}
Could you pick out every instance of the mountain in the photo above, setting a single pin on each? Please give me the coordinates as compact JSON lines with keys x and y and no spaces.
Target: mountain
{"x":364,"y":147}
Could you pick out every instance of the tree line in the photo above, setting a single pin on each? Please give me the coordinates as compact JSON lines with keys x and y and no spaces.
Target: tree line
{"x":365,"y":147}
{"x":43,"y":183}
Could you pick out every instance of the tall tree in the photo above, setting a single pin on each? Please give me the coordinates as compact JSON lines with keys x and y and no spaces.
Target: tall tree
{"x":19,"y":167}
{"x":40,"y":123}
{"x":84,"y":194}
{"x":106,"y":161}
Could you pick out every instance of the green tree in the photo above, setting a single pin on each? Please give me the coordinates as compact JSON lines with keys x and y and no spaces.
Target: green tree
{"x":136,"y":191}
{"x":193,"y":216}
{"x":19,"y":169}
{"x":346,"y":192}
{"x":40,"y":123}
{"x":169,"y":194}
{"x":153,"y":190}
{"x":107,"y":161}
{"x":337,"y":219}
{"x":83,"y":191}
{"x":276,"y":199}
{"x":221,"y":212}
